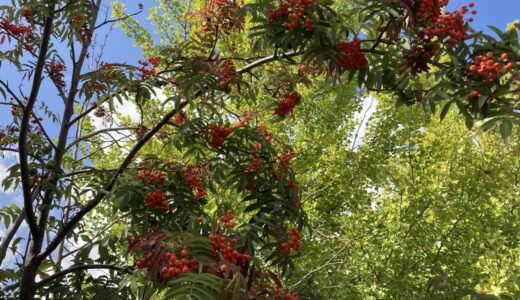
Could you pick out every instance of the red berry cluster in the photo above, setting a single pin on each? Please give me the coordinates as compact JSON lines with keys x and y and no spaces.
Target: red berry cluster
{"x":294,"y":243}
{"x":430,"y":10}
{"x":152,"y":259}
{"x":14,"y":108}
{"x":82,"y":29}
{"x":168,"y":263}
{"x":56,"y":72}
{"x":489,"y":68}
{"x":191,"y":176}
{"x":450,"y":25}
{"x":175,"y":266}
{"x":436,"y":24}
{"x":220,"y":14}
{"x":350,"y":55}
{"x":283,"y":161}
{"x":218,"y":135}
{"x":432,"y":23}
{"x":227,"y":219}
{"x":249,"y":115}
{"x":280,"y":294}
{"x":287,"y":105}
{"x":179,"y":118}
{"x":262,"y":131}
{"x":156,"y":200}
{"x":24,"y":33}
{"x":294,"y":10}
{"x":152,"y":177}
{"x":228,"y":72}
{"x":256,"y":164}
{"x":148,"y":66}
{"x":225,"y":250}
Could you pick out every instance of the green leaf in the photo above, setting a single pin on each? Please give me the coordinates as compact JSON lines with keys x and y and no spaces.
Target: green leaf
{"x":506,"y":128}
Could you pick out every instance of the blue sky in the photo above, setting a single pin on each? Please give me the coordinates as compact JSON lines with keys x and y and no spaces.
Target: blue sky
{"x":121,"y":49}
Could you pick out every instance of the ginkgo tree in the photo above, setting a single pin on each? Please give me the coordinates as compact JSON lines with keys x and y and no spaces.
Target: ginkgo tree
{"x":175,"y":175}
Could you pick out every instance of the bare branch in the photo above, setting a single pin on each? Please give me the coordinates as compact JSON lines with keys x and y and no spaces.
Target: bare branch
{"x":97,"y":132}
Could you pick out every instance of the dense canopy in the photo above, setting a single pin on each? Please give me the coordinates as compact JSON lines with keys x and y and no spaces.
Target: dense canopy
{"x":264,"y":149}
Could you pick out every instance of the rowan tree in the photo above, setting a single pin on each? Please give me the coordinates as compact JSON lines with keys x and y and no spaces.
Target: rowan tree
{"x":202,"y":190}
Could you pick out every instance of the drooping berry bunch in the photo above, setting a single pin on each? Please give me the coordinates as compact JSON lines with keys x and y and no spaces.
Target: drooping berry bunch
{"x":55,"y":71}
{"x":287,"y":105}
{"x":152,"y":177}
{"x":157,"y":200}
{"x":174,"y":266}
{"x":225,"y":250}
{"x":227,"y":219}
{"x":256,"y":164}
{"x":148,"y":66}
{"x":283,"y":161}
{"x":228,"y":72}
{"x":220,"y":14}
{"x":190,"y":173}
{"x":179,"y":118}
{"x":292,"y":15}
{"x":164,"y":265}
{"x":262,"y":131}
{"x":434,"y":27}
{"x":248,"y":116}
{"x":489,"y":68}
{"x":450,"y":25}
{"x":280,"y":294}
{"x":24,"y":33}
{"x":149,"y":261}
{"x":15,"y":110}
{"x":218,"y":134}
{"x":294,"y":243}
{"x":350,"y":55}
{"x":82,"y":29}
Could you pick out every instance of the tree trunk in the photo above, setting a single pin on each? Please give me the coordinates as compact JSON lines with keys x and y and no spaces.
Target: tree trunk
{"x":28,"y":280}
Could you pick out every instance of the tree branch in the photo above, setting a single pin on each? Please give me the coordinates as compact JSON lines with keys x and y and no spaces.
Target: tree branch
{"x":23,"y":153}
{"x":108,"y":187}
{"x":80,"y":268}
{"x":94,"y":133}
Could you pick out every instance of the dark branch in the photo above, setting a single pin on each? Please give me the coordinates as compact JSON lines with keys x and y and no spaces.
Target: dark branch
{"x":81,"y":268}
{"x":23,"y":153}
